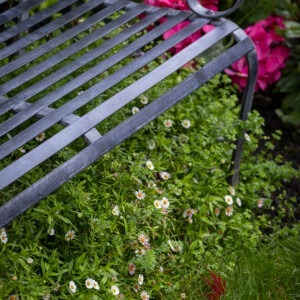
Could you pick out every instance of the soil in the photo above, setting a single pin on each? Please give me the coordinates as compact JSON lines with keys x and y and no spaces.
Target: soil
{"x":288,"y":146}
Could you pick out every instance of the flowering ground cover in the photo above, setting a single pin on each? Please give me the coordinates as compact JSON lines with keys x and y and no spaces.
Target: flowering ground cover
{"x":156,"y":218}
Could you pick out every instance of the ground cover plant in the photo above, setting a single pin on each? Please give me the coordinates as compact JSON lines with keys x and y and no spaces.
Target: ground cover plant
{"x":156,"y":218}
{"x":152,"y":217}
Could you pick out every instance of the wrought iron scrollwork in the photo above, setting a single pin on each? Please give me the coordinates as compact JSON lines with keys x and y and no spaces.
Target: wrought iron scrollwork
{"x":198,"y":9}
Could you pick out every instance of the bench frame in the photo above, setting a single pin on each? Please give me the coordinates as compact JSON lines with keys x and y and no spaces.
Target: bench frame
{"x":76,"y":126}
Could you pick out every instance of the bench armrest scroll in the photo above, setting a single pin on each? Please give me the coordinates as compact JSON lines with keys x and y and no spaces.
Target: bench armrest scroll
{"x":198,"y":9}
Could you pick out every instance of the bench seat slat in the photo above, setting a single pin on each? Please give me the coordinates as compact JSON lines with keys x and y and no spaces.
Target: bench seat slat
{"x":52,"y":44}
{"x":89,"y":136}
{"x":78,"y":81}
{"x":74,"y":48}
{"x":91,"y":153}
{"x":98,"y":114}
{"x":26,"y":24}
{"x":99,"y":88}
{"x":18,"y":10}
{"x":68,"y":76}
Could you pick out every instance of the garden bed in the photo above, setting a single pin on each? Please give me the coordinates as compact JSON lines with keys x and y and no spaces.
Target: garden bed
{"x":156,"y":217}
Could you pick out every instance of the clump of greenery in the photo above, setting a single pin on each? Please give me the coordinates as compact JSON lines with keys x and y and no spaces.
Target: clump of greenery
{"x":270,"y":272}
{"x":157,"y":203}
{"x":287,"y":89}
{"x":156,"y":214}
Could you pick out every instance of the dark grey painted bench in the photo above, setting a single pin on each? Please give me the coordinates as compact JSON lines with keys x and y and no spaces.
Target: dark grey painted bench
{"x":23,"y":96}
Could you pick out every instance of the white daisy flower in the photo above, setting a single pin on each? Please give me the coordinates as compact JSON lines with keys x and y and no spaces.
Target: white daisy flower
{"x":52,"y":231}
{"x":143,"y":239}
{"x":89,"y":283}
{"x":46,"y":296}
{"x":135,"y":110}
{"x":29,"y":260}
{"x":22,"y":150}
{"x":228,"y":199}
{"x":56,"y":287}
{"x":144,"y":295}
{"x":96,"y":285}
{"x":238,"y":201}
{"x":189,"y":212}
{"x":72,"y":287}
{"x":144,"y":100}
{"x":183,"y":296}
{"x":115,"y":290}
{"x":247,"y":137}
{"x":186,"y":123}
{"x":161,"y":269}
{"x":3,"y":237}
{"x":157,"y":204}
{"x":40,"y":137}
{"x":70,"y":235}
{"x":229,"y":211}
{"x":149,"y":165}
{"x":232,"y":190}
{"x":164,"y":211}
{"x":260,"y":202}
{"x":131,"y":268}
{"x":168,"y":123}
{"x":136,"y":288}
{"x":140,"y":252}
{"x":141,"y":279}
{"x":164,"y":175}
{"x":165,"y":202}
{"x":116,"y":210}
{"x":158,"y":191}
{"x":151,"y":144}
{"x":140,"y":194}
{"x":171,"y":246}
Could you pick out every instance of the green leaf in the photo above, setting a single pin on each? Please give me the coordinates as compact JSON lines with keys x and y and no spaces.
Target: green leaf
{"x":292,"y":29}
{"x":65,"y":219}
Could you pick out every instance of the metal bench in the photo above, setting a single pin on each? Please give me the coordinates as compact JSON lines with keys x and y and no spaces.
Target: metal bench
{"x":35,"y":82}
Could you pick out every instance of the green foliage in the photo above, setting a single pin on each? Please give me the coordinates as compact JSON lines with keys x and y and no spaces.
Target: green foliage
{"x":252,"y":11}
{"x":181,"y":249}
{"x":288,"y":87}
{"x":104,"y":220}
{"x":289,"y":84}
{"x":273,"y":268}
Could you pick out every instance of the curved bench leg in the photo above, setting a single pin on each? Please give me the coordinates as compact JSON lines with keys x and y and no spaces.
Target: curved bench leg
{"x":245,"y":109}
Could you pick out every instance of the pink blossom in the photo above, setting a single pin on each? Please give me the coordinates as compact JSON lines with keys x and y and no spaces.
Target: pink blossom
{"x":187,"y":41}
{"x":131,"y":268}
{"x":271,"y":54}
{"x":182,"y":5}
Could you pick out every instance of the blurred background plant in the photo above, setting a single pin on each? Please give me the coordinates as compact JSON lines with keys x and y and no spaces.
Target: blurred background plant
{"x":287,"y":90}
